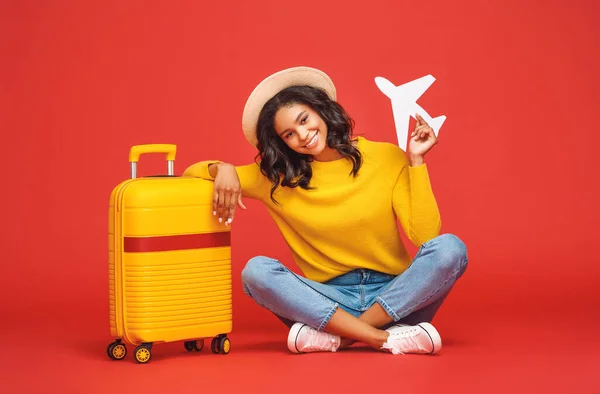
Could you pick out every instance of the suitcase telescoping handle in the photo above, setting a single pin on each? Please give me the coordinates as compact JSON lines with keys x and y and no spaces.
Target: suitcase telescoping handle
{"x":138,"y":150}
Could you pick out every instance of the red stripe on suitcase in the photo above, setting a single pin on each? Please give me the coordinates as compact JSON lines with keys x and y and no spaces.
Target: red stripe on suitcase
{"x":176,"y":242}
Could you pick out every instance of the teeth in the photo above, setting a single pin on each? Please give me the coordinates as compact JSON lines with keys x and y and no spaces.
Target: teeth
{"x":313,"y":139}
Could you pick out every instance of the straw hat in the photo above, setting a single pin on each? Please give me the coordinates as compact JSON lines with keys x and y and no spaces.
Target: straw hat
{"x":275,"y":83}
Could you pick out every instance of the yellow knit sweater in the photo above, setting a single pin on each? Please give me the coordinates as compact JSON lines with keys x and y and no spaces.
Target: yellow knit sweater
{"x":346,"y":223}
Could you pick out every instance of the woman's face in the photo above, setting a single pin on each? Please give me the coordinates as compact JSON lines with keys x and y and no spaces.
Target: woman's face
{"x":302,"y":129}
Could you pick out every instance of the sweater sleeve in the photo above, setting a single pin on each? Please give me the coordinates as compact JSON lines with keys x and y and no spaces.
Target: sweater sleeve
{"x":200,"y":170}
{"x":415,"y":205}
{"x":254,"y":184}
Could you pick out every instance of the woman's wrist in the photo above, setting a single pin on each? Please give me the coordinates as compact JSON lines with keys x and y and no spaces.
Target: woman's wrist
{"x":416,"y":161}
{"x":213,"y":169}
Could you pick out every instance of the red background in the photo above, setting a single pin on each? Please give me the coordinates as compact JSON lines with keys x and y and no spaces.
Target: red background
{"x":514,"y":174}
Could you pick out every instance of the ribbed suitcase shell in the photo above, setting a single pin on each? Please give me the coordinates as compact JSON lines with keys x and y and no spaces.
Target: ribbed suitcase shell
{"x":169,"y":262}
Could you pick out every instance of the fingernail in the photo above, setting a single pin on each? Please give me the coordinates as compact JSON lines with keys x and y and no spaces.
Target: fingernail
{"x":214,"y":213}
{"x":230,"y":220}
{"x":226,"y":224}
{"x":220,"y":220}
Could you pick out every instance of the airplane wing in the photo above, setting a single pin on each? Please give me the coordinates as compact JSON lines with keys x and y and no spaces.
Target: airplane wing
{"x":414,"y":89}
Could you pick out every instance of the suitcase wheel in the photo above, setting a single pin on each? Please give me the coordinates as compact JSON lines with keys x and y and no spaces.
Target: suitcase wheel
{"x":214,"y":345}
{"x":220,"y":344}
{"x":116,"y":350}
{"x":143,"y":353}
{"x":194,"y":346}
{"x":225,"y":345}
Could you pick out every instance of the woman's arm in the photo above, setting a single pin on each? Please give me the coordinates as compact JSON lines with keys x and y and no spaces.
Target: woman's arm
{"x":202,"y":170}
{"x":231,"y":183}
{"x":413,"y":199}
{"x":415,"y":205}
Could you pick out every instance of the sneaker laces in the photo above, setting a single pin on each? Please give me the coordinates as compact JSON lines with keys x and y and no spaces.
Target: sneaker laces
{"x":320,"y":341}
{"x":404,"y":341}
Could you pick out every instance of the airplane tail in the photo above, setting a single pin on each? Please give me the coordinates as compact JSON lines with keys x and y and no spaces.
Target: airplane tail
{"x":436,"y":123}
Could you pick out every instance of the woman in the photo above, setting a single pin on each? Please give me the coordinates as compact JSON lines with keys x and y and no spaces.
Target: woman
{"x":336,"y":200}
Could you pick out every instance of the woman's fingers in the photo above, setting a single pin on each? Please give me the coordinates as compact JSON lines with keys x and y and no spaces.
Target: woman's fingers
{"x":235,"y":201}
{"x":418,"y":129}
{"x":429,"y":135}
{"x":215,"y":202}
{"x":240,"y":202}
{"x":228,"y":203}
{"x":227,"y":194}
{"x":422,"y":132}
{"x":425,"y":133}
{"x":224,"y":203}
{"x":421,"y":121}
{"x":221,"y":205}
{"x":233,"y":198}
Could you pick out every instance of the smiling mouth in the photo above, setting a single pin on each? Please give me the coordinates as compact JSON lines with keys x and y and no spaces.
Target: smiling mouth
{"x":312,"y":141}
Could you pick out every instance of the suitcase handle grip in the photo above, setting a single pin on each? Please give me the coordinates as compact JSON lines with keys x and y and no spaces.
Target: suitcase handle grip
{"x":137,"y":150}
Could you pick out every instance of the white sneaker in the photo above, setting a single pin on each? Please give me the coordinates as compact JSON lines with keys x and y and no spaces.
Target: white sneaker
{"x":422,"y":338}
{"x":305,"y":339}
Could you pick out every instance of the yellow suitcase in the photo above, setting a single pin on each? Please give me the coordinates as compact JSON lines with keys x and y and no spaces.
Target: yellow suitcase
{"x":169,"y":263}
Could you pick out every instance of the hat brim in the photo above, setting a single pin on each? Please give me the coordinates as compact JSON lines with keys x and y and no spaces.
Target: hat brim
{"x":275,"y":83}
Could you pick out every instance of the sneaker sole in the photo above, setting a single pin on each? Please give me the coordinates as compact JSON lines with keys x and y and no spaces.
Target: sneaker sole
{"x":436,"y":340}
{"x":293,"y":336}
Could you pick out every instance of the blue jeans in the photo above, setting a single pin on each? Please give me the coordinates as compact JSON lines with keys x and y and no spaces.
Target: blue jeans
{"x":409,"y":298}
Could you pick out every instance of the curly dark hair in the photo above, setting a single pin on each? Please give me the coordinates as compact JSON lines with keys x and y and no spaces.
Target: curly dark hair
{"x":282,"y":165}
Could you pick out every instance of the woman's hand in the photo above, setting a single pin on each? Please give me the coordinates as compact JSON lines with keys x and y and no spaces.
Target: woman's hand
{"x":421,"y":141}
{"x":227,"y":193}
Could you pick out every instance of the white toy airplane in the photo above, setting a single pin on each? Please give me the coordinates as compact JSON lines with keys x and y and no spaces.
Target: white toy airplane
{"x":404,"y":105}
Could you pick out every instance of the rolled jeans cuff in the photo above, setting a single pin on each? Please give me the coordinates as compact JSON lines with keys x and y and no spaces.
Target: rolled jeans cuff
{"x":387,"y":309}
